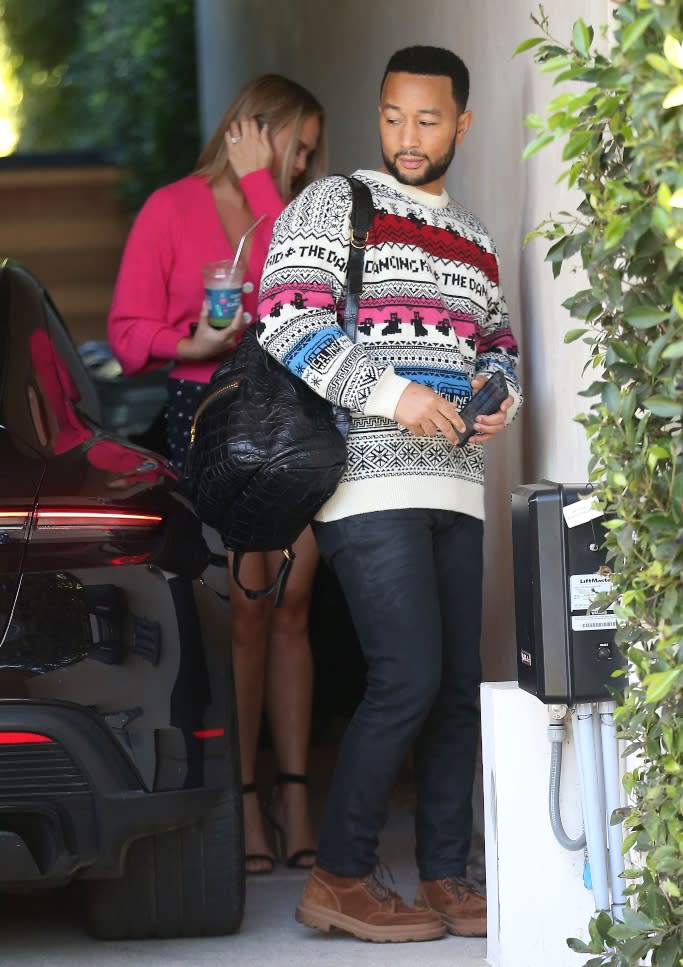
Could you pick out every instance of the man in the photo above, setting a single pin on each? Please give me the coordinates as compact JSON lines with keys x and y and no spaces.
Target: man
{"x":403,"y":531}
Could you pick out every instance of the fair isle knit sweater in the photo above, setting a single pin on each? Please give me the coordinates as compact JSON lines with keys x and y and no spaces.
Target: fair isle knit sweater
{"x":431,"y":311}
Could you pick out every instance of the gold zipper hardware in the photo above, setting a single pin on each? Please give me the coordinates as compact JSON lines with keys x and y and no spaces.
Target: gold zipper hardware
{"x":209,"y":399}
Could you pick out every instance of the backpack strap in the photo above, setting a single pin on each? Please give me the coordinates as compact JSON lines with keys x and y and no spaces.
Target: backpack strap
{"x":278,"y":583}
{"x":362,"y":213}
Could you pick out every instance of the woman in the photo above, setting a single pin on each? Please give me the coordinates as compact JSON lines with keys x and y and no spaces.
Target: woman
{"x":269,"y":145}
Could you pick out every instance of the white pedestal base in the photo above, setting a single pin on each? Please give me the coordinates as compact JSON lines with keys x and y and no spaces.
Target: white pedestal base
{"x":536,"y":896}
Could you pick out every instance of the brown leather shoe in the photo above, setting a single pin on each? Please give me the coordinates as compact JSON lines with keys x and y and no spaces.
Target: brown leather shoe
{"x":365,"y":908}
{"x":460,"y":906}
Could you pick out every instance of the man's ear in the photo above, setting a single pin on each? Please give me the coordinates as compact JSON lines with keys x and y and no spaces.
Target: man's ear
{"x":464,"y":121}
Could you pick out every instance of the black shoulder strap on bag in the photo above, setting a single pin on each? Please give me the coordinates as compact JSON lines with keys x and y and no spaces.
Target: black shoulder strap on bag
{"x":362,"y":211}
{"x":277,"y":584}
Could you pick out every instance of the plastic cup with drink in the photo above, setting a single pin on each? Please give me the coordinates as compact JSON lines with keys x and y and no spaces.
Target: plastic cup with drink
{"x":223,"y":290}
{"x":223,"y":282}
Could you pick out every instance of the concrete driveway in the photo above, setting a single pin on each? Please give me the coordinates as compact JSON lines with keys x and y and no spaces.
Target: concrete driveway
{"x":46,"y":931}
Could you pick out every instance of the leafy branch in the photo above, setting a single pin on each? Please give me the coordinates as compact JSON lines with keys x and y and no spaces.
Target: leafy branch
{"x":619,"y":117}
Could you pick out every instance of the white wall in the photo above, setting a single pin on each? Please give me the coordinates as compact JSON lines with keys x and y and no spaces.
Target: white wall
{"x":339,"y":51}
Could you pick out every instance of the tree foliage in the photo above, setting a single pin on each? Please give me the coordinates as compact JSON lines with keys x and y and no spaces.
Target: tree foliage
{"x":139,"y":59}
{"x":42,"y":36}
{"x":42,"y":32}
{"x":118,"y":75}
{"x":620,"y":118}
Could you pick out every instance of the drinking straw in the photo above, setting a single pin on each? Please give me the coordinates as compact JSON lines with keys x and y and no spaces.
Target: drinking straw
{"x":242,"y":240}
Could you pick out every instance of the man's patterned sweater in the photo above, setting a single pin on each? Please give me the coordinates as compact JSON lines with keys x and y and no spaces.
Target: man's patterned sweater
{"x":431,"y":311}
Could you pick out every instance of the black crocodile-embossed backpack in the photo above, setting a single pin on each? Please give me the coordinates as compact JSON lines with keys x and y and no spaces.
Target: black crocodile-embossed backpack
{"x":266,"y":451}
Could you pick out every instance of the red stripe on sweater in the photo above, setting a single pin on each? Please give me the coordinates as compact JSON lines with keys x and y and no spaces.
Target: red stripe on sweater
{"x":435,"y":241}
{"x":500,"y":339}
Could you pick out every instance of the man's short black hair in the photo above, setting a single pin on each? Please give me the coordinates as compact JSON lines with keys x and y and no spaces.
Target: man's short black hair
{"x":433,"y":61}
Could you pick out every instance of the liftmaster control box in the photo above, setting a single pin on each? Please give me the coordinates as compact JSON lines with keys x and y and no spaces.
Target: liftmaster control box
{"x":565,"y":647}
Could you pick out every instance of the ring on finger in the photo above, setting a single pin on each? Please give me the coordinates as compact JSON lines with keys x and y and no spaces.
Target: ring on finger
{"x":235,"y":138}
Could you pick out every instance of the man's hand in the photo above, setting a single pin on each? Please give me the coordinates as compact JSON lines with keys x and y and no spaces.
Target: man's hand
{"x":207,"y":342}
{"x":486,"y":427}
{"x":425,"y":413}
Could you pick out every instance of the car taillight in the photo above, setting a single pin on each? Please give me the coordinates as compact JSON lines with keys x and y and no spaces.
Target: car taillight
{"x":208,"y":733}
{"x":59,"y":524}
{"x":86,"y":523}
{"x":23,"y":738}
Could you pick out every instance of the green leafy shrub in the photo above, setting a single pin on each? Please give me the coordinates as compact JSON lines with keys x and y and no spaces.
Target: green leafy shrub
{"x":42,"y":36}
{"x":620,"y":117}
{"x":138,"y":57}
{"x":117,"y":75}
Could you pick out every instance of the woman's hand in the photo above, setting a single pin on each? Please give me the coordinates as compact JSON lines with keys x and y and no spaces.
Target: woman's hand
{"x":249,"y":147}
{"x":207,"y":342}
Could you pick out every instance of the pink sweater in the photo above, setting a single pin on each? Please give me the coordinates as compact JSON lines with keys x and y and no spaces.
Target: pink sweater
{"x":160,"y":289}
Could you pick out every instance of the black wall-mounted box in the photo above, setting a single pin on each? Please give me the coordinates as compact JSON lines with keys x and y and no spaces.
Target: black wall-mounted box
{"x":565,"y":651}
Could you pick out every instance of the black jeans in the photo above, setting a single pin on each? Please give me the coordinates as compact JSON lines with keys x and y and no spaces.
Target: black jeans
{"x":412,"y":580}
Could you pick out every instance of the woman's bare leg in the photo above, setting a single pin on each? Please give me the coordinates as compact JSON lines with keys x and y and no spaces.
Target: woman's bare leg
{"x":289,"y":694}
{"x":250,"y":630}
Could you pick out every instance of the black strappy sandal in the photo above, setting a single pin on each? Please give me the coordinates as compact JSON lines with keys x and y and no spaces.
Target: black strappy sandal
{"x":249,"y":787}
{"x":301,"y":859}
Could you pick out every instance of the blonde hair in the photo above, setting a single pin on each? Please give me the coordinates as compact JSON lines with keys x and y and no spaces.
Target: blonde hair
{"x":276,"y":101}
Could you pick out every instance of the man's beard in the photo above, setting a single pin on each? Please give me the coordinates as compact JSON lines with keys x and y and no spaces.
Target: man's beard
{"x":434,"y":170}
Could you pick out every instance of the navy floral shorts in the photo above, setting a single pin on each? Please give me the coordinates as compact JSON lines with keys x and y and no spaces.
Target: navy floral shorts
{"x":183,"y":398}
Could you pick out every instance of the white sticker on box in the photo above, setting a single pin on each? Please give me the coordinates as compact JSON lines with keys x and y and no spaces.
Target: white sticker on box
{"x":581,"y":511}
{"x":593,"y":622}
{"x":584,"y":587}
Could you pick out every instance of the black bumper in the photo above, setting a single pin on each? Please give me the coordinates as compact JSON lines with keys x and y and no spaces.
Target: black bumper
{"x":71,"y":806}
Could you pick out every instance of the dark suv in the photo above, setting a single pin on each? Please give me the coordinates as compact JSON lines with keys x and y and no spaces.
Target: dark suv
{"x":118,"y":746}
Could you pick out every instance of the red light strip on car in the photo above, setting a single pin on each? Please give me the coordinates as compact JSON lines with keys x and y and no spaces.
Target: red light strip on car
{"x":22,"y":738}
{"x":18,"y":519}
{"x":87,"y":518}
{"x":208,"y":733}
